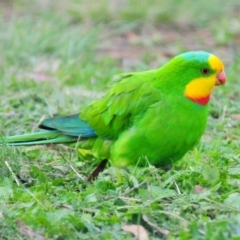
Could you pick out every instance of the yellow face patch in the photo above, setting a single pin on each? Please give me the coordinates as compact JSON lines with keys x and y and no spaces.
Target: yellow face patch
{"x":200,"y":87}
{"x":203,"y":86}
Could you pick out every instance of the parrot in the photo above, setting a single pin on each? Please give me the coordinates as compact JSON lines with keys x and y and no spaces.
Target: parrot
{"x":155,"y":116}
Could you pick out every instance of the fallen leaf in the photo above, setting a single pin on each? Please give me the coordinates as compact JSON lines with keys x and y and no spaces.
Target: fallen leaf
{"x":28,"y":232}
{"x":198,"y":189}
{"x":36,"y":76}
{"x":232,"y":96}
{"x":137,"y":230}
{"x":207,"y":137}
{"x":236,"y":117}
{"x":39,"y":77}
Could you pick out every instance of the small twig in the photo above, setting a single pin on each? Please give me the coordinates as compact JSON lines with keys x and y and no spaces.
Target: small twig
{"x":76,"y":145}
{"x":13,"y":174}
{"x":174,"y":216}
{"x":161,"y":230}
{"x":130,"y":199}
{"x":222,"y":205}
{"x":19,"y":184}
{"x":71,"y":166}
{"x":124,"y":207}
{"x":41,"y":119}
{"x":178,"y":190}
{"x":132,"y":189}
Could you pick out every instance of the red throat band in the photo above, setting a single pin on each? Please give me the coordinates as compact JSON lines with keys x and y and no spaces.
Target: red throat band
{"x":201,"y":100}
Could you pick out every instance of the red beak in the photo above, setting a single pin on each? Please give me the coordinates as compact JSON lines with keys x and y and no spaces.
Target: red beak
{"x":221,"y":78}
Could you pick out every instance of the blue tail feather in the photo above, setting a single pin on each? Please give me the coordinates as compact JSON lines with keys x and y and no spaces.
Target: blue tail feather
{"x":69,"y":125}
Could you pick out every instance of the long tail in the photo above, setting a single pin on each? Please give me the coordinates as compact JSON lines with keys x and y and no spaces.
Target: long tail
{"x":44,"y":137}
{"x":56,"y":130}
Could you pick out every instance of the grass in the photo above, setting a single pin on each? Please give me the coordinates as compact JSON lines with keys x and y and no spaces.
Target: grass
{"x":57,"y":57}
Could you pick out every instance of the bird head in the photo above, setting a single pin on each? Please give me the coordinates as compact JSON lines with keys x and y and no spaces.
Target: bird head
{"x":204,"y":71}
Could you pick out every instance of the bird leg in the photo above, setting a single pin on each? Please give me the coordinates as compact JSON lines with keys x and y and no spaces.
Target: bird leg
{"x":101,"y":166}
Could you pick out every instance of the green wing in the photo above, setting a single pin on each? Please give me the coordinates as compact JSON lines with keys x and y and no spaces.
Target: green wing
{"x":125,"y":102}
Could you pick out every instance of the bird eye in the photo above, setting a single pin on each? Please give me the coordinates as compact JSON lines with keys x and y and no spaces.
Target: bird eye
{"x":204,"y":70}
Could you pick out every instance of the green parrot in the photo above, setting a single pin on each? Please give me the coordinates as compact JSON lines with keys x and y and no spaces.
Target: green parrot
{"x":155,"y":116}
